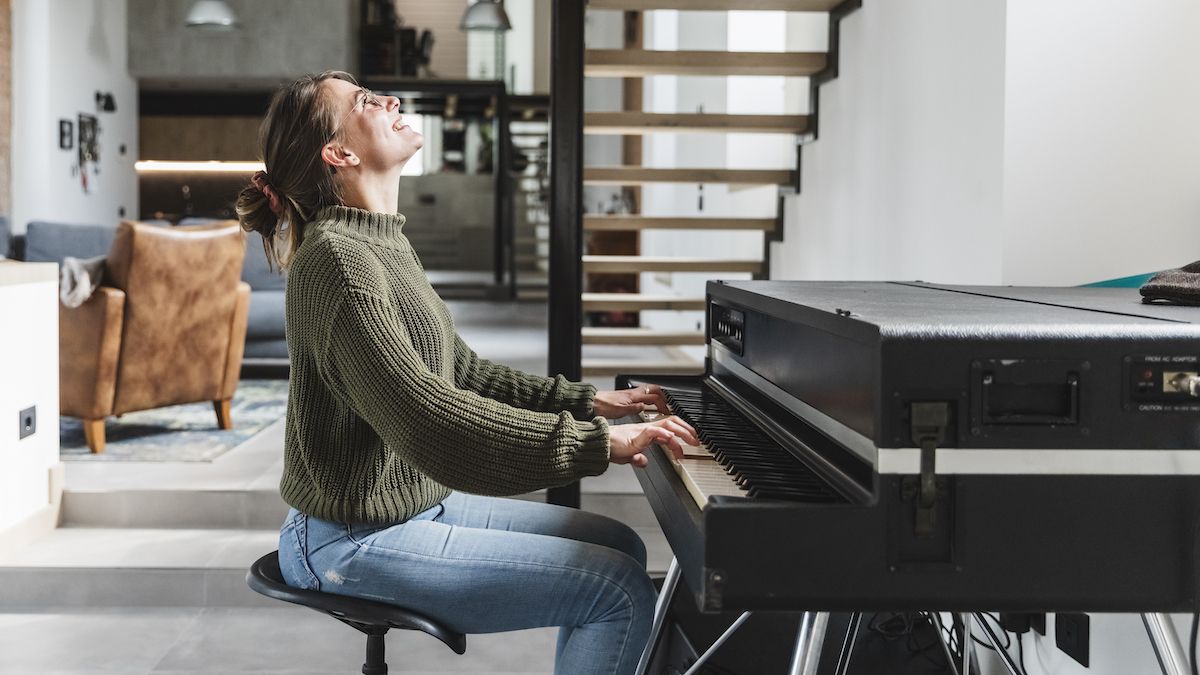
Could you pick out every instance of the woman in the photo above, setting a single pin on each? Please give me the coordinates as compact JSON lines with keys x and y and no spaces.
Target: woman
{"x":395,"y":425}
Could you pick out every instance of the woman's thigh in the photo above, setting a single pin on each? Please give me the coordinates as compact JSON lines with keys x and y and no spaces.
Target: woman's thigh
{"x":479,"y":580}
{"x":518,"y":515}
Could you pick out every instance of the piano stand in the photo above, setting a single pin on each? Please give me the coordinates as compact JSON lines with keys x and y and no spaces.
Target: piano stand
{"x":843,"y":664}
{"x":661,"y":608}
{"x":1165,"y":641}
{"x":807,"y":656}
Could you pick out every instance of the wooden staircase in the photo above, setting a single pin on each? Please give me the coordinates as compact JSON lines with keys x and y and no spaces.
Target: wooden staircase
{"x":634,"y":63}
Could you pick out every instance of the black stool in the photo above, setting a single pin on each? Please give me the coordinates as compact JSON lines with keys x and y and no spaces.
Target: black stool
{"x":371,"y":617}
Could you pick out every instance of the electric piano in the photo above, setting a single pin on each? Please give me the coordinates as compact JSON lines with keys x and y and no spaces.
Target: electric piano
{"x":905,"y":446}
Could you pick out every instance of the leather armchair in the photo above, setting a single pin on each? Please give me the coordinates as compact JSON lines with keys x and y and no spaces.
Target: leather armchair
{"x":168,"y":326}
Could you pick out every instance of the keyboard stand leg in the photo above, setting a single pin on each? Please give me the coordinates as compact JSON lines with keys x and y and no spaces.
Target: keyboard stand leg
{"x":661,"y":607}
{"x":737,"y":623}
{"x":1009,"y":664}
{"x":843,"y":664}
{"x":806,"y":657}
{"x":1167,"y":648}
{"x":945,"y":648}
{"x":968,"y":647}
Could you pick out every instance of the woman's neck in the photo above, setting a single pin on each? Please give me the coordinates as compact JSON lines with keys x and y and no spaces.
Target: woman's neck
{"x":379,"y":193}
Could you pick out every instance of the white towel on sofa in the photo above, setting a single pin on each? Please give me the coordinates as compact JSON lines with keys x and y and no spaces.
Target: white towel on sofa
{"x":78,"y":279}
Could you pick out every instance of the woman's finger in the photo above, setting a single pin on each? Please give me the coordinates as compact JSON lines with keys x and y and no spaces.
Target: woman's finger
{"x":649,"y":435}
{"x":652,"y":394}
{"x":681,"y":430}
{"x":639,"y":460}
{"x":676,"y":446}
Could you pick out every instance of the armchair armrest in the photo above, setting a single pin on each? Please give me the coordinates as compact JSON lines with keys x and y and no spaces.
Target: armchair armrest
{"x":237,"y":341}
{"x":89,"y":347}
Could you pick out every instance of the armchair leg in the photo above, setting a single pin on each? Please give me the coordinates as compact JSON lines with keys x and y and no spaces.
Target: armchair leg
{"x":224,"y":419}
{"x":93,"y":432}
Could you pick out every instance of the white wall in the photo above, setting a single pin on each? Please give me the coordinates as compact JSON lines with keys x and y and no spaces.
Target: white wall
{"x":1102,"y":145}
{"x":30,"y":378}
{"x":906,"y":179}
{"x":1118,"y":645}
{"x":63,"y":53}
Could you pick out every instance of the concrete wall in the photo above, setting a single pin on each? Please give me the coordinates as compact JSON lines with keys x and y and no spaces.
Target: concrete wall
{"x":63,"y":53}
{"x":30,"y":379}
{"x":278,"y":41}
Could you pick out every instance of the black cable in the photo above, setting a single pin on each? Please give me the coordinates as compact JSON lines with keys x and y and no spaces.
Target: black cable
{"x":1021,"y":654}
{"x":1195,"y":621}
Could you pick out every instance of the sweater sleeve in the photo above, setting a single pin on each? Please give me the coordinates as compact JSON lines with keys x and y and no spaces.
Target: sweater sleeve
{"x":456,"y":437}
{"x":516,"y":388}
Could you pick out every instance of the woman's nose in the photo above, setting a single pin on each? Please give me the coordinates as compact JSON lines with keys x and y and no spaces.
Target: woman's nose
{"x":393,"y":102}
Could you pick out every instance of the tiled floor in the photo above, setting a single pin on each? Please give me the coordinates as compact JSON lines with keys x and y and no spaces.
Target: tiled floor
{"x":147,"y":576}
{"x":275,"y":640}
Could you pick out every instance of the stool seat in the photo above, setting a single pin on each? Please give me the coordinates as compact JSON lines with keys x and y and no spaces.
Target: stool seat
{"x":369,"y":616}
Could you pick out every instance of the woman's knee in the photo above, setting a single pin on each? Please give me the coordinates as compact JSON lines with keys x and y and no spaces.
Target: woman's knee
{"x":634,"y":591}
{"x":626,"y":540}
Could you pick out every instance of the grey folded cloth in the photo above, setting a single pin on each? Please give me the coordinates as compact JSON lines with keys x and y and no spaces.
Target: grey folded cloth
{"x":78,"y":279}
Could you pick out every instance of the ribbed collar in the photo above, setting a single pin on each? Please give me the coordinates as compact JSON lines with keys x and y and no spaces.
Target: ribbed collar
{"x":379,"y":227}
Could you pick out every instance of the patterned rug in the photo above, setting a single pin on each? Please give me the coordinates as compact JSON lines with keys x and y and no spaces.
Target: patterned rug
{"x":180,"y":433}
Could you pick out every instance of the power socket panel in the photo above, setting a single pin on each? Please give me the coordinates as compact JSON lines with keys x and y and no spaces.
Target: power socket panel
{"x":1072,"y":635}
{"x":27,"y":421}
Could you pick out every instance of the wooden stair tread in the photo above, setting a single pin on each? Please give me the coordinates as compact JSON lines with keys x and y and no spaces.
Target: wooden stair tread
{"x":636,"y":175}
{"x":599,"y":302}
{"x":642,"y":122}
{"x":641,"y":62}
{"x":607,"y":223}
{"x":717,"y":5}
{"x":636,"y":263}
{"x":640,"y":336}
{"x":602,"y":367}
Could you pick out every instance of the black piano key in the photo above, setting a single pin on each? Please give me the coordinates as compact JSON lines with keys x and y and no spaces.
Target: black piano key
{"x":751,"y":458}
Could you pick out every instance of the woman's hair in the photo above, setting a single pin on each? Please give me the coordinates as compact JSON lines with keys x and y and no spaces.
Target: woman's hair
{"x":297,"y":183}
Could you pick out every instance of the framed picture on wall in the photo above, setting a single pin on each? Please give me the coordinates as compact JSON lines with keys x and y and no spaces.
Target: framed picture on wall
{"x":89,"y":146}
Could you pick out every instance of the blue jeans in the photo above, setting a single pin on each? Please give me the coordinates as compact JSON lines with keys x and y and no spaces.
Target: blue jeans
{"x":486,"y":565}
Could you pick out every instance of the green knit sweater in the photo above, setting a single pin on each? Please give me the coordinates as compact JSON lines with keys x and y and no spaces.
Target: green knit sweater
{"x":388,"y":409}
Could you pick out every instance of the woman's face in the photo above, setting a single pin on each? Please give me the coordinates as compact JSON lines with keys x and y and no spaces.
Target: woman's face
{"x":372,"y":127}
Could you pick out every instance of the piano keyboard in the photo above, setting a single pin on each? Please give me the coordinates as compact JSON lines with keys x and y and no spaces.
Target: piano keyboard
{"x":735,"y":459}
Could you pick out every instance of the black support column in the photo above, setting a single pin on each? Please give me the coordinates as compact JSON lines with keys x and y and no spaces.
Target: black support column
{"x":566,"y":199}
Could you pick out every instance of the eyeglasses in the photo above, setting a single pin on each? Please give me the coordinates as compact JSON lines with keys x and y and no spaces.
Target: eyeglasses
{"x":366,"y":98}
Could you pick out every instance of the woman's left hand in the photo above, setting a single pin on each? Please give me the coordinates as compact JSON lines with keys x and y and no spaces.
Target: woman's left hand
{"x":622,"y":402}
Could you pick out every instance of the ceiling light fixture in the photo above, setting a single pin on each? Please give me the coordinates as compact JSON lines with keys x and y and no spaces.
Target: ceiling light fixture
{"x":214,"y":15}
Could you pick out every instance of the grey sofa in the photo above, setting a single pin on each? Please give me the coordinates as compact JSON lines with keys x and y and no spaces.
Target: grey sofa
{"x":266,"y":343}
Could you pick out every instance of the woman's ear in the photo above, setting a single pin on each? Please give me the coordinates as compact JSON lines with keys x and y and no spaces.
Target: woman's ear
{"x":338,"y":156}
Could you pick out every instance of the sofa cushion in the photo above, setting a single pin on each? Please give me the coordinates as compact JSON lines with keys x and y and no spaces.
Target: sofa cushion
{"x":266,"y":349}
{"x":266,"y":315}
{"x":51,"y":242}
{"x":255,"y":270}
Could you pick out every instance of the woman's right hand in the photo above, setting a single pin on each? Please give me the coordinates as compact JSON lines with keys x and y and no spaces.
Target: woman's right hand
{"x":627,"y":442}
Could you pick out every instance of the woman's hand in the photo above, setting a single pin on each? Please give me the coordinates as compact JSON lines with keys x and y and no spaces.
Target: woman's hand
{"x":627,"y":442}
{"x":622,"y":402}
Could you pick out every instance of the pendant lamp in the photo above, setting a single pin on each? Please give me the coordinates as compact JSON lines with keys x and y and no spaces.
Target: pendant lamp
{"x":214,"y":15}
{"x":485,"y":15}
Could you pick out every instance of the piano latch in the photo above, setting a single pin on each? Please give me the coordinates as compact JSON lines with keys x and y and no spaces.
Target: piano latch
{"x":929,"y":423}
